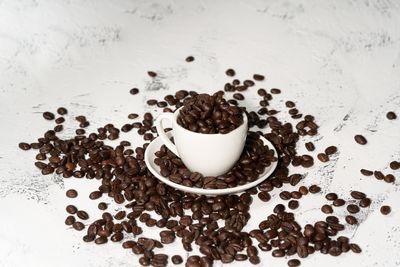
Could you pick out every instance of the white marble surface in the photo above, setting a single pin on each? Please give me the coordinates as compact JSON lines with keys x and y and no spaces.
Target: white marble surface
{"x":338,"y":59}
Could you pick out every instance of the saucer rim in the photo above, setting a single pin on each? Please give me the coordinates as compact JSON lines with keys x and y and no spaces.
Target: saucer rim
{"x":202,"y":191}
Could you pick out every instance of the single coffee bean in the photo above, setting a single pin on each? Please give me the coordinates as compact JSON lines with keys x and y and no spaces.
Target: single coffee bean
{"x":350,"y":219}
{"x":258,"y":77}
{"x":357,"y":195}
{"x":389,"y":178}
{"x":285,"y":195}
{"x":70,"y":220}
{"x":71,"y":193}
{"x":230,"y":72}
{"x":314,"y":189}
{"x":385,"y":210}
{"x":62,"y":111}
{"x":152,"y":102}
{"x":330,"y":150}
{"x":365,"y":202}
{"x":379,"y":175}
{"x":134,"y":91}
{"x":101,"y":240}
{"x":83,"y":215}
{"x":238,"y":96}
{"x":275,"y":91}
{"x":331,"y":196}
{"x":310,"y":146}
{"x":176,"y":259}
{"x":24,"y":146}
{"x":102,"y":206}
{"x":264,"y":196}
{"x":323,"y":157}
{"x":78,"y":226}
{"x":360,"y":139}
{"x":293,"y":204}
{"x":95,"y":195}
{"x":293,"y":263}
{"x":326,"y":209}
{"x":71,"y":209}
{"x":366,"y":172}
{"x":352,"y":208}
{"x":152,"y":74}
{"x":391,"y":115}
{"x":303,"y":190}
{"x":48,"y":115}
{"x":189,"y":59}
{"x":338,"y":202}
{"x":395,"y":165}
{"x":355,"y":248}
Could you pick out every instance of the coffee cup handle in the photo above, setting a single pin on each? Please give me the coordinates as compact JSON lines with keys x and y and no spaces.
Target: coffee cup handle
{"x":160,"y":130}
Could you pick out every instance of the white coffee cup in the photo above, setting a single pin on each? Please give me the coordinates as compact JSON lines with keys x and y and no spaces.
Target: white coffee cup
{"x":208,"y":154}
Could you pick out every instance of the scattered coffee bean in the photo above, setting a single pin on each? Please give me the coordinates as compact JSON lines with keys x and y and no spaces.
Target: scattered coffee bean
{"x":391,"y":115}
{"x":357,"y":195}
{"x":102,"y":206}
{"x":385,"y":210}
{"x":293,"y":204}
{"x":83,"y":215}
{"x":365,"y":202}
{"x":230,"y":72}
{"x":70,"y":220}
{"x":238,"y":96}
{"x":331,"y":196}
{"x":310,"y":146}
{"x":48,"y":115}
{"x":366,"y":172}
{"x":355,"y":248}
{"x":379,"y":175}
{"x":176,"y":259}
{"x":258,"y":77}
{"x":133,"y":116}
{"x":350,"y":219}
{"x":293,"y":263}
{"x":189,"y":59}
{"x":71,"y":209}
{"x":78,"y":226}
{"x":395,"y":165}
{"x":389,"y":178}
{"x":330,"y":150}
{"x":323,"y":157}
{"x":152,"y":74}
{"x":360,"y":139}
{"x":352,"y":208}
{"x":326,"y":209}
{"x":24,"y":146}
{"x":314,"y":189}
{"x":134,"y":91}
{"x":62,"y":111}
{"x":338,"y":202}
{"x":71,"y":193}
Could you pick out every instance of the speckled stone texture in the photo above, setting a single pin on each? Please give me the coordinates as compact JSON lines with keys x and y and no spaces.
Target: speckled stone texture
{"x":339,"y":60}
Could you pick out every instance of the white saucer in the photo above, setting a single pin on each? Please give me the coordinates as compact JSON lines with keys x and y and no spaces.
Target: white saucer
{"x":155,"y":145}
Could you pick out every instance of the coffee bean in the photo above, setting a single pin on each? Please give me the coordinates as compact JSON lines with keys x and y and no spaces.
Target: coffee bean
{"x":293,"y":263}
{"x":310,"y":146}
{"x":366,"y":172}
{"x":275,"y":91}
{"x":62,"y":111}
{"x":314,"y":189}
{"x":352,"y":208}
{"x":230,"y":72}
{"x":338,"y":202}
{"x":176,"y":259}
{"x":303,"y":190}
{"x":152,"y":102}
{"x":355,"y":248}
{"x":70,"y":220}
{"x":285,"y":195}
{"x":323,"y":157}
{"x":391,"y":115}
{"x":24,"y":146}
{"x":71,"y":193}
{"x":95,"y":195}
{"x":82,"y":215}
{"x":395,"y":165}
{"x":102,"y":206}
{"x":134,"y":91}
{"x":248,"y":83}
{"x":379,"y":175}
{"x":389,"y":178}
{"x":71,"y":209}
{"x":152,"y":74}
{"x":350,"y":219}
{"x":264,"y":196}
{"x":360,"y":139}
{"x":238,"y":96}
{"x":326,"y":209}
{"x":101,"y":240}
{"x":78,"y":226}
{"x":258,"y":77}
{"x":357,"y":195}
{"x":189,"y":59}
{"x":330,"y":150}
{"x":293,"y":204}
{"x":365,"y":202}
{"x":133,"y":116}
{"x":331,"y":196}
{"x":385,"y":210}
{"x":48,"y":115}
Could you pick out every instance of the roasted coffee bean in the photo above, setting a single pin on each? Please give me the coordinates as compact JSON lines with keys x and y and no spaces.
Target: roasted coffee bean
{"x":133,"y":116}
{"x":285,"y":195}
{"x":303,"y":190}
{"x":264,"y":196}
{"x":248,"y":83}
{"x":134,"y":91}
{"x":293,"y":263}
{"x":83,"y":215}
{"x":310,"y":146}
{"x":258,"y":77}
{"x":120,"y":215}
{"x":357,"y":195}
{"x":366,"y":172}
{"x":389,"y":178}
{"x":60,"y":120}
{"x":24,"y":146}
{"x":330,"y":150}
{"x":326,"y":209}
{"x":189,"y":59}
{"x":391,"y":115}
{"x":279,"y":208}
{"x":365,"y":202}
{"x":70,"y":220}
{"x":275,"y":91}
{"x":293,"y":204}
{"x":230,"y":72}
{"x":331,"y":196}
{"x":385,"y":210}
{"x":48,"y":115}
{"x":78,"y":226}
{"x":355,"y":248}
{"x":350,"y":219}
{"x":71,"y":209}
{"x":102,"y":206}
{"x":176,"y":259}
{"x":71,"y":193}
{"x":152,"y":74}
{"x":254,"y":260}
{"x":238,"y":96}
{"x":379,"y":175}
{"x":314,"y":189}
{"x":58,"y":128}
{"x":360,"y":139}
{"x":323,"y":157}
{"x":338,"y":202}
{"x":152,"y":102}
{"x":95,"y":195}
{"x":352,"y":208}
{"x":395,"y":165}
{"x":62,"y":111}
{"x":101,"y":240}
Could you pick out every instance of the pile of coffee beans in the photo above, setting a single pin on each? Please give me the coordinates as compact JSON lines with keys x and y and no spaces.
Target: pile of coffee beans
{"x":254,"y":159}
{"x":208,"y":114}
{"x":214,"y":224}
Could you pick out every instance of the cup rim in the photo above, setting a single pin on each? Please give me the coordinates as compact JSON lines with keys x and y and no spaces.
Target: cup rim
{"x":175,"y":123}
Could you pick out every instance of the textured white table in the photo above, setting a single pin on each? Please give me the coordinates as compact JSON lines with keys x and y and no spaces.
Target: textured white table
{"x":338,"y":59}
